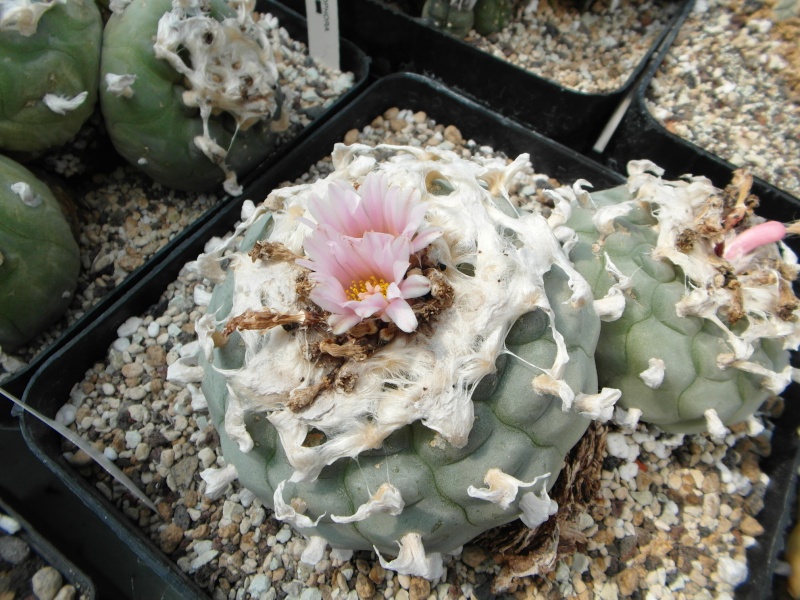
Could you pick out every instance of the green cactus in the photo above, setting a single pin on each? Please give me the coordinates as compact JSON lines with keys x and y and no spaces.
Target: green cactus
{"x":453,"y":16}
{"x":516,"y":430}
{"x":152,"y":110}
{"x":48,"y":73}
{"x":674,"y":367}
{"x":39,"y":258}
{"x":492,"y":16}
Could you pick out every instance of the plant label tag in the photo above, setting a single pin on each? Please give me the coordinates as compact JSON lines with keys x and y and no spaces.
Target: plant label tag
{"x":323,"y":31}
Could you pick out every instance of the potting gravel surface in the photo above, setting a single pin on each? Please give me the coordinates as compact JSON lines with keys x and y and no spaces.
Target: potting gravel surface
{"x":594,"y":50}
{"x":673,"y":517}
{"x":730,"y":85}
{"x":124,"y":218}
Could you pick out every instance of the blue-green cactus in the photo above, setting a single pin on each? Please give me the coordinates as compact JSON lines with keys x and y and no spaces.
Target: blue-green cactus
{"x":48,"y":71}
{"x":39,"y":258}
{"x":703,"y":339}
{"x":436,"y":435}
{"x":190,"y":96}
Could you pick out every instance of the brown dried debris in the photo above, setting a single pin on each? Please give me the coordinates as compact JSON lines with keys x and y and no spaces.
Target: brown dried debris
{"x":272,"y":251}
{"x":261,"y":320}
{"x":301,"y":398}
{"x":351,"y":349}
{"x":524,"y":552}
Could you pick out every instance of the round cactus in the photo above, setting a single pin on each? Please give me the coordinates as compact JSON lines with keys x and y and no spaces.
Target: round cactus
{"x":697,"y":332}
{"x":410,"y":412}
{"x":49,"y":71}
{"x":39,"y":258}
{"x":492,"y":16}
{"x":201,"y":102}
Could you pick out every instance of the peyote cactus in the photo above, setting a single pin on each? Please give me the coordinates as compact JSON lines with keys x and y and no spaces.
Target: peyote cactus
{"x":398,"y":355}
{"x":39,"y":258}
{"x":199,"y":104}
{"x":700,"y":318}
{"x":50,"y":53}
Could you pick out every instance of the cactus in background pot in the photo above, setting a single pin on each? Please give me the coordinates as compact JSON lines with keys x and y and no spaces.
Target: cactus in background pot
{"x":50,"y":53}
{"x":697,"y":297}
{"x":39,"y":258}
{"x":401,"y":358}
{"x":199,"y":104}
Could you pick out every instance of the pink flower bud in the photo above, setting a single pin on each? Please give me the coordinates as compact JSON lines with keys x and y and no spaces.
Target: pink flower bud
{"x":764,"y":233}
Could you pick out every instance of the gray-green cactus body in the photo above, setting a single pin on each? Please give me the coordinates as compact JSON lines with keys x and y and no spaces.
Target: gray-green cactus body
{"x":516,"y":430}
{"x":143,"y":100}
{"x":519,"y":425}
{"x":48,"y":72}
{"x":677,"y":396}
{"x":39,"y":258}
{"x":492,"y":16}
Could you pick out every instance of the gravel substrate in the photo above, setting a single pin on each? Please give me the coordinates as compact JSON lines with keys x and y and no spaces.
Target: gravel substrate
{"x":593,"y":51}
{"x":730,"y":85}
{"x":673,"y":517}
{"x":123,"y":218}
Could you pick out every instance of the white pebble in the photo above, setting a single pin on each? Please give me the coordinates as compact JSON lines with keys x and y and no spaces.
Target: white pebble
{"x":153,"y":329}
{"x":66,"y":414}
{"x":129,"y":327}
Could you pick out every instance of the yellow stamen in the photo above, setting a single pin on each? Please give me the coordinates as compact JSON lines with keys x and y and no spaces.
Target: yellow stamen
{"x":366,"y":286}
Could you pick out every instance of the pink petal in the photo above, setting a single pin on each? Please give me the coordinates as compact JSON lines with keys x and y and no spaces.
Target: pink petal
{"x":400,"y":312}
{"x":425,"y":237}
{"x":339,"y":323}
{"x":415,"y":286}
{"x":369,"y":306}
{"x":754,"y":237}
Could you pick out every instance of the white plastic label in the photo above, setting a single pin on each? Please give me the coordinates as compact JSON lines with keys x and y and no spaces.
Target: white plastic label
{"x":323,"y":31}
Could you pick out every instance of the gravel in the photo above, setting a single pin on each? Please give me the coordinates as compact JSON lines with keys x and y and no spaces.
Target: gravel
{"x":122,"y":218}
{"x":730,"y":85}
{"x":673,"y":518}
{"x":594,"y":50}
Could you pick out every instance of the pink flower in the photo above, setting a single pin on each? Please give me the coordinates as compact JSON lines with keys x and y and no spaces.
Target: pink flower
{"x":361,"y":278}
{"x":754,"y":237}
{"x":374,"y":207}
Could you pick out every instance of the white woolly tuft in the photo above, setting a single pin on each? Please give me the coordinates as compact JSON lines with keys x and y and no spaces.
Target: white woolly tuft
{"x":412,"y":560}
{"x":503,"y":488}
{"x":425,"y":377}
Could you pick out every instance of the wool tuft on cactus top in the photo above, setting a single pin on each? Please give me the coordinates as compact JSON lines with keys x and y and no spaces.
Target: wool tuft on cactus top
{"x":421,"y":411}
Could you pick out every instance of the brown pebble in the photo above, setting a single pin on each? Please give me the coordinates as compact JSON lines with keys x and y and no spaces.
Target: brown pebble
{"x":170,"y":537}
{"x":156,"y":355}
{"x":351,"y":137}
{"x":190,"y":498}
{"x":628,"y":582}
{"x":278,"y":574}
{"x":452,"y":134}
{"x":377,"y":122}
{"x":751,"y":527}
{"x":200,"y":531}
{"x":419,"y":589}
{"x":247,"y":544}
{"x":228,"y":531}
{"x":391,"y":113}
{"x":398,"y":124}
{"x":377,"y":573}
{"x":364,"y":587}
{"x":473,"y":556}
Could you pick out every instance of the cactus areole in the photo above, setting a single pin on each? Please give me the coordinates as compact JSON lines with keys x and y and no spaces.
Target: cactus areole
{"x":403,"y":359}
{"x":39,"y":258}
{"x":190,"y":89}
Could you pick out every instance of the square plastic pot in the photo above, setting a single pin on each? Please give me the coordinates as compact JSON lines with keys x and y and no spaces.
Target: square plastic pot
{"x":352,"y":60}
{"x":396,"y":41}
{"x":50,"y":387}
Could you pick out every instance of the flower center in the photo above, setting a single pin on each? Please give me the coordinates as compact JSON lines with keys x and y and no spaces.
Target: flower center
{"x":366,"y":286}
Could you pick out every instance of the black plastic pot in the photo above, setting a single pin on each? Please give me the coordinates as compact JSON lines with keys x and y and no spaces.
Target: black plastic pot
{"x":51,"y":385}
{"x":641,"y":136}
{"x":352,"y":59}
{"x":396,"y":41}
{"x":51,"y":555}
